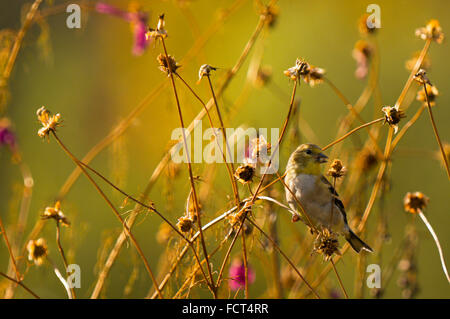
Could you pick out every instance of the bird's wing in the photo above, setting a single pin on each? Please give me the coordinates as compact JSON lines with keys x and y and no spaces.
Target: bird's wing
{"x":335,"y":195}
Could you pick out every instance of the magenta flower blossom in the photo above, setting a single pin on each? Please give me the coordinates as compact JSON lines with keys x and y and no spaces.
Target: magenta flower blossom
{"x":237,"y":275}
{"x":137,"y":19}
{"x":7,"y":137}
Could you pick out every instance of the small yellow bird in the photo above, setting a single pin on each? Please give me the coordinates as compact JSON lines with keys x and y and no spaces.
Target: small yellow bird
{"x":316,"y":194}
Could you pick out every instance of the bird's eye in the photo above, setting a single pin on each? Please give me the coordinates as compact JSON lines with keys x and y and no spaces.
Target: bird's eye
{"x":309,"y":152}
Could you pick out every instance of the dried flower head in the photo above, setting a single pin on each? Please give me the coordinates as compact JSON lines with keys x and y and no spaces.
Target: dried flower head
{"x":237,"y":274}
{"x":56,"y":214}
{"x":49,"y":122}
{"x":337,"y":169}
{"x":363,"y":25}
{"x":421,"y":77}
{"x":205,"y":70}
{"x":300,"y":68}
{"x":327,"y":244}
{"x":167,"y":65}
{"x":415,"y":202}
{"x":160,"y":32}
{"x":314,"y":76}
{"x":432,"y":93}
{"x":362,"y":52}
{"x":185,"y":224}
{"x":245,"y":173}
{"x":432,"y":31}
{"x":37,"y":251}
{"x":392,"y":116}
{"x":411,"y":63}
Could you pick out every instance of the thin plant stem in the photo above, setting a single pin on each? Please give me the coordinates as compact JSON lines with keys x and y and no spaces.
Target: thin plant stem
{"x":351,"y":132}
{"x":407,"y":126}
{"x":20,"y":283}
{"x":222,"y":127}
{"x":63,"y":255}
{"x":438,"y":245}
{"x":61,"y":279}
{"x":11,"y":254}
{"x":339,"y":278}
{"x":244,"y":255}
{"x":191,"y":176}
{"x":19,"y":39}
{"x":436,"y":133}
{"x":352,"y":109}
{"x":102,"y":194}
{"x":230,"y":170}
{"x":416,"y":67}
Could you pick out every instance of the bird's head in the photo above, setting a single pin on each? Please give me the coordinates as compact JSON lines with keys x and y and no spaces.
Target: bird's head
{"x":307,"y":159}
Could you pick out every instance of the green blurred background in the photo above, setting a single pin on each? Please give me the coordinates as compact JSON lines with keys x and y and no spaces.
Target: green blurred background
{"x":93,"y":80}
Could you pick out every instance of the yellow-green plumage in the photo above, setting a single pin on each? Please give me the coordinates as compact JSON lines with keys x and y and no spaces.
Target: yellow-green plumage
{"x":316,"y":194}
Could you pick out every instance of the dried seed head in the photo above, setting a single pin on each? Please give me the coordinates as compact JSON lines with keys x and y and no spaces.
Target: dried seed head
{"x":37,"y":251}
{"x":205,"y":70}
{"x":432,"y":93}
{"x":314,"y":76}
{"x":49,"y":122}
{"x":421,"y":77}
{"x":160,"y":32}
{"x":327,"y":244}
{"x":432,"y":31}
{"x":245,"y":173}
{"x":410,"y":64}
{"x":300,"y":68}
{"x":392,"y":116}
{"x":415,"y":202}
{"x":56,"y":214}
{"x":167,"y":65}
{"x":336,"y":169}
{"x":185,"y":224}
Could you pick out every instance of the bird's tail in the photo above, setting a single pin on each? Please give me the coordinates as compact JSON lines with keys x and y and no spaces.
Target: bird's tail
{"x":356,"y":242}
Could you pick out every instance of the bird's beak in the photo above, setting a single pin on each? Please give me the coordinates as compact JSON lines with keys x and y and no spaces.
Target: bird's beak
{"x":321,"y":158}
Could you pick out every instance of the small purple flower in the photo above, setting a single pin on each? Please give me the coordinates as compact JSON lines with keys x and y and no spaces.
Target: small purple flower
{"x":7,"y":137}
{"x":137,"y":19}
{"x":237,"y":275}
